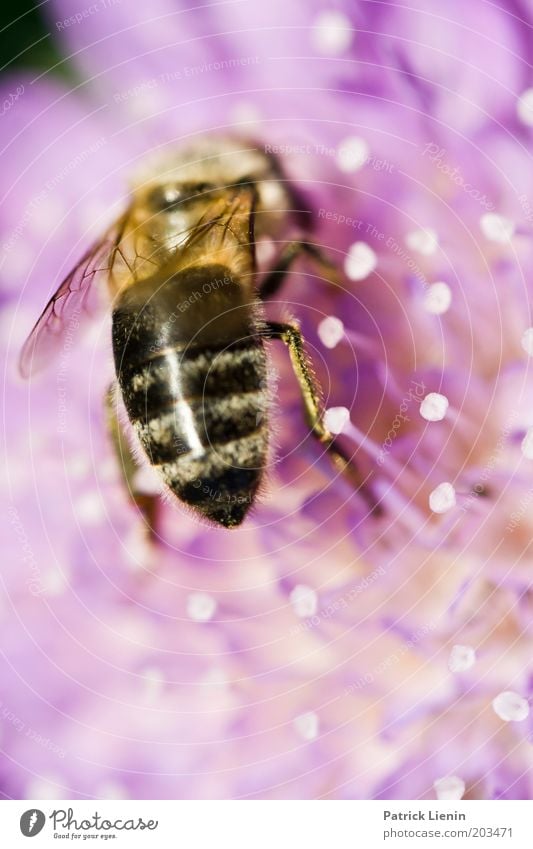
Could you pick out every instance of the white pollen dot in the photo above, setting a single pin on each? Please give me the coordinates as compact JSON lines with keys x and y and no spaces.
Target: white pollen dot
{"x":272,"y":193}
{"x":108,"y":470}
{"x":336,"y":419}
{"x":527,"y":444}
{"x":461,"y":658}
{"x":89,"y":508}
{"x":360,"y":262}
{"x":201,"y":607}
{"x":147,"y":103}
{"x":330,"y":331}
{"x":527,"y":341}
{"x":138,"y":548}
{"x":304,"y":601}
{"x":424,"y":241}
{"x":77,"y":467}
{"x":54,"y":582}
{"x":332,"y":33}
{"x":245,"y":113}
{"x":265,"y":250}
{"x":45,"y":788}
{"x":133,"y":629}
{"x":94,"y":213}
{"x":510,"y":706}
{"x":434,"y":407}
{"x":497,"y":228}
{"x":438,"y":298}
{"x":524,"y":107}
{"x":147,"y":481}
{"x":16,"y":261}
{"x":112,"y":790}
{"x":352,"y":154}
{"x":306,"y":725}
{"x":50,"y":210}
{"x":450,"y":787}
{"x":442,"y":498}
{"x":152,"y":679}
{"x":216,"y":677}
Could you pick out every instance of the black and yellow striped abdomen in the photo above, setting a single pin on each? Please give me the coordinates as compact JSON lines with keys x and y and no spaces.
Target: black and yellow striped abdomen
{"x":192,"y":371}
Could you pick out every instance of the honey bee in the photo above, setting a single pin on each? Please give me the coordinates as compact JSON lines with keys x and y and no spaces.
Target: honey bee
{"x":188,"y":327}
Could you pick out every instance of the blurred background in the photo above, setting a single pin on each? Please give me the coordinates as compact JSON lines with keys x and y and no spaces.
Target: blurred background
{"x":25,"y":38}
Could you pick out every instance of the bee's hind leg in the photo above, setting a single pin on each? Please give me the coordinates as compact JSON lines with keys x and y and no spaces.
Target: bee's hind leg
{"x":146,"y":503}
{"x":275,"y":278}
{"x":291,"y":335}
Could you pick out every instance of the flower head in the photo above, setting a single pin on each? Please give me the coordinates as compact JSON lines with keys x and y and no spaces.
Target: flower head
{"x":326,"y":650}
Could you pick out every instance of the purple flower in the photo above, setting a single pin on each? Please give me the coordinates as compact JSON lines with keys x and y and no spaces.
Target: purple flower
{"x":320,"y":650}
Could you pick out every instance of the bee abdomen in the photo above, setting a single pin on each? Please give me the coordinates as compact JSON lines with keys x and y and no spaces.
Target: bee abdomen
{"x":222,"y":482}
{"x":189,"y":426}
{"x":193,"y":374}
{"x":200,"y":416}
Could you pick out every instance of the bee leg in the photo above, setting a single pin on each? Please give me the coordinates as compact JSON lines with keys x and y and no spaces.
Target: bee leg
{"x":275,"y":278}
{"x":147,"y":503}
{"x":292,"y":337}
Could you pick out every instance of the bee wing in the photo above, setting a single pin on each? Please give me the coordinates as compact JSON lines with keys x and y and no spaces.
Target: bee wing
{"x":232,"y":213}
{"x":224,"y":233}
{"x":73,"y":300}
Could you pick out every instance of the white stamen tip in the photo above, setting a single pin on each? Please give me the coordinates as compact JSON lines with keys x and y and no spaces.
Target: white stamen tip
{"x":527,"y":444}
{"x":152,"y":680}
{"x":461,"y":658}
{"x":54,"y":582}
{"x":424,"y":241}
{"x":201,"y":607}
{"x":89,"y":508}
{"x":524,"y":107}
{"x":245,"y":113}
{"x":44,"y":788}
{"x":352,"y":154}
{"x":360,"y":262}
{"x":336,"y":419}
{"x":527,"y":341}
{"x":304,"y":601}
{"x":265,"y":250}
{"x":16,"y":261}
{"x":332,"y":33}
{"x":306,"y":725}
{"x":147,"y":481}
{"x":497,"y":228}
{"x":442,"y":498}
{"x":330,"y":331}
{"x":112,"y":790}
{"x":434,"y":407}
{"x":438,"y":298}
{"x":510,"y":706}
{"x":450,"y":787}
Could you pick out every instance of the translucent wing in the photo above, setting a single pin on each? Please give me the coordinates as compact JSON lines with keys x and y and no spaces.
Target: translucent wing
{"x":224,"y":233}
{"x":73,"y":301}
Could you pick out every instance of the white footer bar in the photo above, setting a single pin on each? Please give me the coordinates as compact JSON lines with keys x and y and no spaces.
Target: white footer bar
{"x":268,"y":824}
